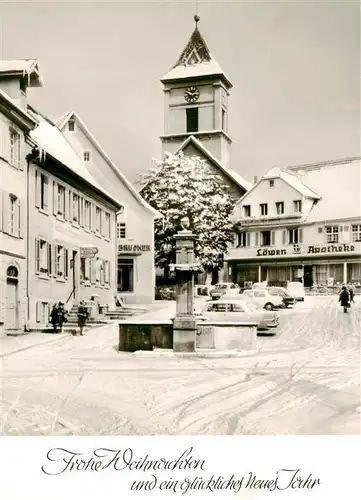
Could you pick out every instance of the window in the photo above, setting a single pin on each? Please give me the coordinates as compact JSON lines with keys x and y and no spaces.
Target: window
{"x":121,"y":230}
{"x":247,"y":210}
{"x":14,"y":148}
{"x":224,"y":122}
{"x":265,"y":238}
{"x":87,"y":155}
{"x":42,"y":312}
{"x":356,"y":232}
{"x":61,"y":201}
{"x":280,"y":207}
{"x":237,"y":308}
{"x":71,"y":125}
{"x":271,"y":183}
{"x":294,"y":236}
{"x":107,"y":225}
{"x":76,"y":208}
{"x":13,"y":215}
{"x":43,"y":261}
{"x":244,"y":239}
{"x":60,"y":261}
{"x":297,"y":205}
{"x":331,"y":234}
{"x":125,"y":275}
{"x":192,"y":119}
{"x":259,"y":293}
{"x":87,"y":214}
{"x":264,"y":208}
{"x":98,"y":220}
{"x":219,"y":307}
{"x":85,"y":269}
{"x":43,"y":192}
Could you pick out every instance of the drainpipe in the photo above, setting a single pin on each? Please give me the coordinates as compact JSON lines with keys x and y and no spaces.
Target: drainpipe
{"x":27,"y":237}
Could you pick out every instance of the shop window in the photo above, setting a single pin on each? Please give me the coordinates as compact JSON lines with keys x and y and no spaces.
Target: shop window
{"x":331,"y":234}
{"x":125,"y":275}
{"x":264,"y":208}
{"x":280,"y":207}
{"x":297,"y":205}
{"x":320,"y":273}
{"x":356,"y":232}
{"x":192,"y":119}
{"x":121,"y":230}
{"x":247,"y":210}
{"x":336,"y":272}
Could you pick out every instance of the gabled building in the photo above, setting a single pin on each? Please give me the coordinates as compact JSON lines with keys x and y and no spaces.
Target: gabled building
{"x":300,"y":223}
{"x":135,"y":220}
{"x":15,"y":124}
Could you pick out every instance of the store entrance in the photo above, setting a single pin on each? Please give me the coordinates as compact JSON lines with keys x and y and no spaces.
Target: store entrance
{"x":307,"y":276}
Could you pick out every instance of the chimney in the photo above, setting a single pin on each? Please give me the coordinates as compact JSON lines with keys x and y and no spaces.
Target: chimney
{"x":255,"y":179}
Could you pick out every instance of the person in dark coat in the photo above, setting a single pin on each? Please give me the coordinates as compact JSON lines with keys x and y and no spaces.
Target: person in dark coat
{"x":62,"y":315}
{"x":344,"y":299}
{"x":351,"y":291}
{"x":54,"y":318}
{"x":82,"y":316}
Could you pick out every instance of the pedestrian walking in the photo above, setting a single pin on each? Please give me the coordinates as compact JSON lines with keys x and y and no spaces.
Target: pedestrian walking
{"x":62,"y":314}
{"x":344,"y":299}
{"x":54,"y":318}
{"x":82,"y":316}
{"x":351,"y":290}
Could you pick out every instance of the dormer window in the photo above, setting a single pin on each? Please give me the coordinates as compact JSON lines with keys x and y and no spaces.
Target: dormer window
{"x":271,"y":183}
{"x":71,"y":125}
{"x":87,"y":156}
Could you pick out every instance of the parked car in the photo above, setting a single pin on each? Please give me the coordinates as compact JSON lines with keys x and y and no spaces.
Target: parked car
{"x":222,"y":288}
{"x":258,"y":285}
{"x":263,"y":297}
{"x":229,"y":310}
{"x":288,"y":298}
{"x":297,"y":289}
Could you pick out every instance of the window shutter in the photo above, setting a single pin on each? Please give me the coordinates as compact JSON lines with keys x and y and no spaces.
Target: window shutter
{"x":37,"y":256}
{"x":38,"y":312}
{"x":1,"y":205}
{"x":21,"y":208}
{"x":66,"y":204}
{"x":93,"y":271}
{"x":46,"y":194}
{"x":66,"y":263}
{"x":81,"y":214}
{"x":50,"y":267}
{"x":93,"y":217}
{"x":6,"y":212}
{"x":284,"y":237}
{"x":248,"y":239}
{"x":272,"y":238}
{"x":70,"y":207}
{"x":37,"y":189}
{"x":55,"y":261}
{"x":55,"y":204}
{"x":256,"y":238}
{"x":300,"y":235}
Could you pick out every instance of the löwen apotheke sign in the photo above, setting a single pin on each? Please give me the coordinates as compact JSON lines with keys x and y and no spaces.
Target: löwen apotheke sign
{"x":133,"y":248}
{"x":309,"y":250}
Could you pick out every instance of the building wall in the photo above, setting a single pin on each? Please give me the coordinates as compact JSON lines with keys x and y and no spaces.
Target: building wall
{"x":12,"y":227}
{"x":52,"y":234}
{"x":138,"y":245}
{"x":11,"y":85}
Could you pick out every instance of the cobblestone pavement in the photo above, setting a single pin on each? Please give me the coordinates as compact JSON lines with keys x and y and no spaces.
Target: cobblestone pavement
{"x":304,"y":380}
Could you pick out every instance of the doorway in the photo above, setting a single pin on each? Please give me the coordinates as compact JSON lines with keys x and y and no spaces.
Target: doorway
{"x":11,"y":299}
{"x":307,"y":276}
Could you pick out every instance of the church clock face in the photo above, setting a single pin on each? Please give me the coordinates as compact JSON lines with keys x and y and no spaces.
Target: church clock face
{"x":191,"y":94}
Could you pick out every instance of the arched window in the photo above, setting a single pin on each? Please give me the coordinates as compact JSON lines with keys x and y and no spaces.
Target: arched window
{"x":12,"y":272}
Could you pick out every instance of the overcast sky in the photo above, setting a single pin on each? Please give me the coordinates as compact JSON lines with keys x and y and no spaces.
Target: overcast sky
{"x":294,"y":67}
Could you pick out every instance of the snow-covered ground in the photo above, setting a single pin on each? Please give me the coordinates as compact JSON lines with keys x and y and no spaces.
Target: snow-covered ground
{"x":305,"y":380}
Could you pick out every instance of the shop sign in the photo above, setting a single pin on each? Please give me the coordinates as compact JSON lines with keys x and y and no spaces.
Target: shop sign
{"x":133,"y":248}
{"x":88,"y":252}
{"x":266,"y":252}
{"x":331,"y":248}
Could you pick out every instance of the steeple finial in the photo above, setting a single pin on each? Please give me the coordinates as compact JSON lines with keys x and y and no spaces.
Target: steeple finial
{"x":196,"y":16}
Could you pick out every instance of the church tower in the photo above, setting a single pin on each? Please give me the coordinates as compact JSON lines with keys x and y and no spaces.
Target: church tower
{"x":196,"y":94}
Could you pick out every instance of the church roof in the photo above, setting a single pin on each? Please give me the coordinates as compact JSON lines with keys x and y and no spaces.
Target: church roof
{"x":195,"y":61}
{"x":231,"y":174}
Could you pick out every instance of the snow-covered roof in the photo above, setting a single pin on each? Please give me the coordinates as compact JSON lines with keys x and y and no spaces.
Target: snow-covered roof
{"x":24,"y":67}
{"x":4,"y":96}
{"x":195,"y":61}
{"x":73,"y":115}
{"x":231,"y":174}
{"x":338,"y":183}
{"x":50,"y":139}
{"x":292,"y":179}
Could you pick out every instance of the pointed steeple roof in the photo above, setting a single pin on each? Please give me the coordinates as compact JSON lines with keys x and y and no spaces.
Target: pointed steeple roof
{"x":195,"y":61}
